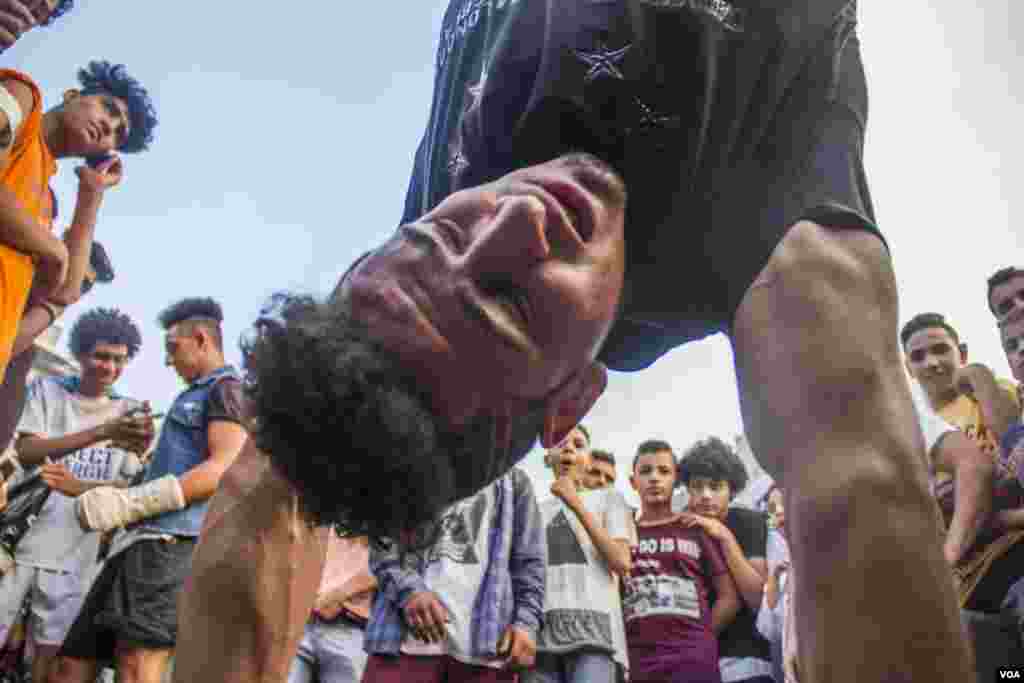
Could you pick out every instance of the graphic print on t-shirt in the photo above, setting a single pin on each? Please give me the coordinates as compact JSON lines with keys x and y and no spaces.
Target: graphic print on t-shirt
{"x":460,"y":528}
{"x":657,"y":592}
{"x":563,"y":544}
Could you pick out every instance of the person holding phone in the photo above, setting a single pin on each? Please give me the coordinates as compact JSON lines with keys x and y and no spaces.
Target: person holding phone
{"x":110,"y":112}
{"x":82,"y":434}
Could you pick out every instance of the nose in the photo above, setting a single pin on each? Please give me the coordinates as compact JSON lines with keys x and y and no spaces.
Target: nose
{"x":512,"y":239}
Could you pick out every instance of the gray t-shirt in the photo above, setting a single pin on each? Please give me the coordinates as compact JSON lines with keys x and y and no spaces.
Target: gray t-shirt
{"x":57,"y":541}
{"x":454,"y":570}
{"x":582,"y":606}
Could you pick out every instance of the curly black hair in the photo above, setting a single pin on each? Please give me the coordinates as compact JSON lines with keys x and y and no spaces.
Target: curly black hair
{"x":714,"y":459}
{"x":923,"y":321}
{"x":63,"y":7}
{"x":352,"y":430}
{"x":103,"y":77}
{"x":104,"y":326}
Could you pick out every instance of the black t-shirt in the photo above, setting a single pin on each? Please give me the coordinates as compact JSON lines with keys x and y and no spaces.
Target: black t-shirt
{"x":741,"y":638}
{"x":714,"y":112}
{"x":226,"y":401}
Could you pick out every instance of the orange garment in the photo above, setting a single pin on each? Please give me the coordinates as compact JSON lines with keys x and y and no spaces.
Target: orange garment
{"x":27,"y":174}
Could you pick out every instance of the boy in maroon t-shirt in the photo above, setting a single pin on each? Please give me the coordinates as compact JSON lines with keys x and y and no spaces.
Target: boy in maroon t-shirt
{"x":670,"y":629}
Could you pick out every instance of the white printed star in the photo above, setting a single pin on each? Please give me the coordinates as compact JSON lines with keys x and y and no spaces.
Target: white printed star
{"x":602,"y":62}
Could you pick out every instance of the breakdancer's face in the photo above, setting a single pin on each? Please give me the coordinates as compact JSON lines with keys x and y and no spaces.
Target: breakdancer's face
{"x":503,"y":293}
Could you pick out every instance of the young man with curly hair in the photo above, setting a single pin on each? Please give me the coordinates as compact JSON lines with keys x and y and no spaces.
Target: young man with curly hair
{"x":518,"y":274}
{"x":130,"y":614}
{"x":713,"y":475}
{"x":78,"y":431}
{"x":110,"y":112}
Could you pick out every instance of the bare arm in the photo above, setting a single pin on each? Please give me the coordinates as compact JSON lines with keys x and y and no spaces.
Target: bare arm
{"x":92,"y":184}
{"x":727,"y":604}
{"x":973,"y":474}
{"x":615,"y":551}
{"x":749,"y":573}
{"x":998,"y":408}
{"x":256,"y":567}
{"x":225,"y":440}
{"x":38,"y":317}
{"x":32,"y":449}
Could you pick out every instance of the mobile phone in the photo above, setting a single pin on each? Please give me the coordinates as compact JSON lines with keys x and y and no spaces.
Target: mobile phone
{"x":98,"y":159}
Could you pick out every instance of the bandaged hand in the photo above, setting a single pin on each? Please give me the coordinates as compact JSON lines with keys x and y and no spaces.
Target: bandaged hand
{"x":105,"y":508}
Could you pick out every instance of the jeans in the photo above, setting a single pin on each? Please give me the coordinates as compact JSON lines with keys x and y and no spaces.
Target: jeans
{"x":329,"y":652}
{"x":572,"y":667}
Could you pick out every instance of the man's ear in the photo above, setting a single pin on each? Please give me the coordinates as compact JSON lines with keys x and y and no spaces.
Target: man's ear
{"x":71,"y":94}
{"x":567,"y":404}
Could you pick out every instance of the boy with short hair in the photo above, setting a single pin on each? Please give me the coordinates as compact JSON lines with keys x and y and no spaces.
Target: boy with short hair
{"x":110,"y":112}
{"x":671,"y":628}
{"x":714,"y":475}
{"x":589,"y":535}
{"x":601,"y":473}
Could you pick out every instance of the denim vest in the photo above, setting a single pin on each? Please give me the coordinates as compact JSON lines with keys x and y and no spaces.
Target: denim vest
{"x":182,"y":446}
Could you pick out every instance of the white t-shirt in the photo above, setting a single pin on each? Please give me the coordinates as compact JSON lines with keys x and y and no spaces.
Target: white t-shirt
{"x":56,"y":541}
{"x":454,"y":570}
{"x":582,"y":607}
{"x":932,"y":425}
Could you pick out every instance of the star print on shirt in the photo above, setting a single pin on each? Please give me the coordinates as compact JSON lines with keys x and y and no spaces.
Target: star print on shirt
{"x":603,"y":62}
{"x":475,"y":91}
{"x":457,"y":162}
{"x":650,"y":120}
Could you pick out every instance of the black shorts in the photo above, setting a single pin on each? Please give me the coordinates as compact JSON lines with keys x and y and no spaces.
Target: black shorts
{"x":134,"y":600}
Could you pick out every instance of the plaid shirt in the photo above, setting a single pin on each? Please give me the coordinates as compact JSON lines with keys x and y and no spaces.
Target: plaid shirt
{"x":512,"y":590}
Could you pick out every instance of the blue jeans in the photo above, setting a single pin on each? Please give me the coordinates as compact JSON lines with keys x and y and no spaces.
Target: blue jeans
{"x":572,"y":667}
{"x":330,"y":651}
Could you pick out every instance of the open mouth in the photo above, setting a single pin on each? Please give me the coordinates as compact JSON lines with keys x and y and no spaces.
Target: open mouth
{"x":577,"y":205}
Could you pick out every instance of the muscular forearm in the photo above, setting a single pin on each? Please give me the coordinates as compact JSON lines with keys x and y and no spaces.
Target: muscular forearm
{"x":997,"y":408}
{"x":200,"y":482}
{"x":264,"y":590}
{"x":749,"y":581}
{"x":973,"y":491}
{"x":32,"y":450}
{"x":35,"y":321}
{"x":77,"y":487}
{"x":79,"y":239}
{"x":615,"y":552}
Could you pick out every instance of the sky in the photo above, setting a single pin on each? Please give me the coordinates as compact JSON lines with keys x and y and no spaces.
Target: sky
{"x":288,"y":130}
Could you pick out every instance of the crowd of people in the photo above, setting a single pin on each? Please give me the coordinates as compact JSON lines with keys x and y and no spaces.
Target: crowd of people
{"x":347,"y":506}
